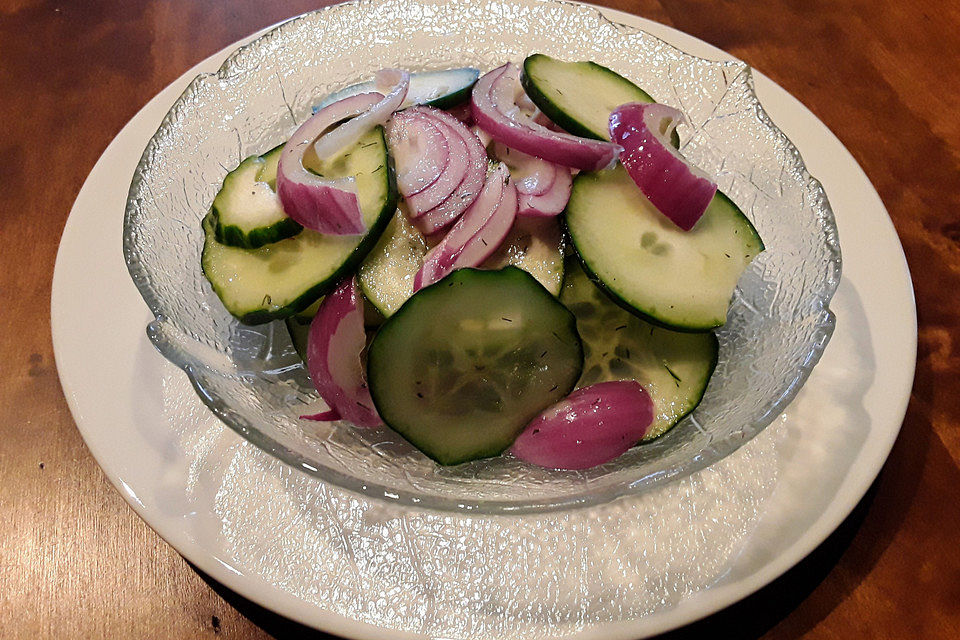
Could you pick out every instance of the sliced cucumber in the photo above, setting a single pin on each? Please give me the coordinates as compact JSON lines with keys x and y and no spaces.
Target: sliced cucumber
{"x":536,"y":246}
{"x":679,"y":279}
{"x":299,"y":328}
{"x":247,"y":210}
{"x":579,"y":96}
{"x":673,"y":367}
{"x":467,"y":362}
{"x":282,"y":278}
{"x":386,"y":275}
{"x":440,"y":89}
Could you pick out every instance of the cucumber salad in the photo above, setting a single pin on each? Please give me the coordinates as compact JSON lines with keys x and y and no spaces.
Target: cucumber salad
{"x":518,"y":262}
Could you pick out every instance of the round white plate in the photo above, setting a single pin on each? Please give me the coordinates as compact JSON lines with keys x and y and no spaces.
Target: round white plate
{"x":344,"y":564}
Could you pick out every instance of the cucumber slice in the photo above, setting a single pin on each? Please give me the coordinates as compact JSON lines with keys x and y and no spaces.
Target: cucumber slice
{"x":386,"y":275}
{"x":247,"y":209}
{"x":536,"y":246}
{"x":282,"y":278}
{"x":299,"y":329}
{"x":467,"y":362}
{"x":678,"y":279}
{"x":440,"y":89}
{"x":673,"y":367}
{"x":579,"y":96}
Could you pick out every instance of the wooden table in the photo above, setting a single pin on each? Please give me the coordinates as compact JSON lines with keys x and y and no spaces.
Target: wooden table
{"x":75,"y":561}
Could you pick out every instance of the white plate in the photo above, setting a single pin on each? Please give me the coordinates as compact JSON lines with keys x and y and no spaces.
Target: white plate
{"x":357,"y":568}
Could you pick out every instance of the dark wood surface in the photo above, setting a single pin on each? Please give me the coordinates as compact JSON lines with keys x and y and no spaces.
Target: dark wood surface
{"x":75,"y":561}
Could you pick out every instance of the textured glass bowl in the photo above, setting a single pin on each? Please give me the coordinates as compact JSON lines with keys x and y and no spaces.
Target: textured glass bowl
{"x":251,"y":378}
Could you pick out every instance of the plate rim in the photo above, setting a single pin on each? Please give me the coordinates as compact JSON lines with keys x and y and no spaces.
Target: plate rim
{"x":687,"y":610}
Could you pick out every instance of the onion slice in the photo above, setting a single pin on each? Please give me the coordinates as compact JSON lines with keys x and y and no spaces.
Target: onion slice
{"x":495,"y":110}
{"x":440,"y":204}
{"x":552,"y":202}
{"x":334,"y":346}
{"x":453,"y":173}
{"x":420,"y":151}
{"x":543,"y":187}
{"x":326,"y":205}
{"x":477,"y":234}
{"x":675,"y":187}
{"x":347,"y":134}
{"x":532,"y":175}
{"x":589,"y":427}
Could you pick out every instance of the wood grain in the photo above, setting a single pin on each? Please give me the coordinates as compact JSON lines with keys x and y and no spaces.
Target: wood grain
{"x":75,"y":561}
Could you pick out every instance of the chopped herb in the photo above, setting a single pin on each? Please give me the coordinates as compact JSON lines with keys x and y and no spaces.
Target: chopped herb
{"x":675,"y":377}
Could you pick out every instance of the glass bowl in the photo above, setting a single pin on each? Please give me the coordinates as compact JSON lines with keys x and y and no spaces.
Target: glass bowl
{"x":250,"y":377}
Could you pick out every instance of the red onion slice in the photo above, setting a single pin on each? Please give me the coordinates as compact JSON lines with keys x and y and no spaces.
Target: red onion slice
{"x":543,"y":187}
{"x":450,"y":178}
{"x":477,"y":234}
{"x":589,"y":427}
{"x":420,"y":151}
{"x":462,"y":113}
{"x":326,"y":205}
{"x":441,"y":203}
{"x":551,"y":203}
{"x":533,"y":176}
{"x":482,"y":136}
{"x":495,"y":110}
{"x":466,"y":192}
{"x":676,"y":188}
{"x":334,"y":345}
{"x":349,"y":132}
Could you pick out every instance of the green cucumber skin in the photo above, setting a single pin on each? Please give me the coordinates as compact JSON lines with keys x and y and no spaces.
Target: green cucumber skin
{"x":604,"y":313}
{"x":262,"y":316}
{"x":234,"y":236}
{"x":697,"y":400}
{"x":451,"y":100}
{"x":298,"y":329}
{"x":446,"y":101}
{"x":374,"y":356}
{"x":626,"y":306}
{"x":567,"y":121}
{"x":640,"y":313}
{"x":713,"y":367}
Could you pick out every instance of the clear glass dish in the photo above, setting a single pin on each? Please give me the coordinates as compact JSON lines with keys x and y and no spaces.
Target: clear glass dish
{"x":250,"y":377}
